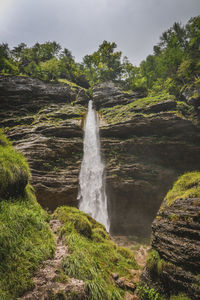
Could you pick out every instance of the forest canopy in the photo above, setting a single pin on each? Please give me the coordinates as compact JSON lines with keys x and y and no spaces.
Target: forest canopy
{"x":174,"y":64}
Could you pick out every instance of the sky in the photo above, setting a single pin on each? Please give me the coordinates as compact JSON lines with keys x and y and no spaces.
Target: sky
{"x":82,"y":25}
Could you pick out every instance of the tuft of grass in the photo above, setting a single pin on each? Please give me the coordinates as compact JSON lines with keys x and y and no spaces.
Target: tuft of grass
{"x":153,"y":259}
{"x":26,"y":240}
{"x":93,"y":258}
{"x":147,"y":293}
{"x":187,"y":186}
{"x":3,"y":140}
{"x":180,"y":297}
{"x":14,"y":172}
{"x":70,"y":83}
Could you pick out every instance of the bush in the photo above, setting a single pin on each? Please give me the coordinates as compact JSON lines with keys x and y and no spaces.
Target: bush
{"x":147,"y":293}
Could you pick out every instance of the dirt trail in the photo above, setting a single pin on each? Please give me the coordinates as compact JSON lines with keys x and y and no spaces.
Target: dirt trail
{"x":45,"y":284}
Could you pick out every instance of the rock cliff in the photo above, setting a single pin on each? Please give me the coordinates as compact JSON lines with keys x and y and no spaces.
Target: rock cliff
{"x":173,"y":264}
{"x":146,"y":143}
{"x":44,"y":123}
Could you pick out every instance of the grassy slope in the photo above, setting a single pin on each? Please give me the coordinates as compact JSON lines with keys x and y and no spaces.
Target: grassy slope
{"x":93,"y":256}
{"x":187,"y":186}
{"x":25,"y":237}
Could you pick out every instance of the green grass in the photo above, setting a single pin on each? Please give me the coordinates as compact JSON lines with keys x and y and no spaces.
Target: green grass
{"x":187,"y":186}
{"x":26,"y":240}
{"x":14,"y":172}
{"x":25,"y":237}
{"x":72,"y":84}
{"x":121,"y":113}
{"x":93,"y":256}
{"x":180,"y":297}
{"x":3,"y":140}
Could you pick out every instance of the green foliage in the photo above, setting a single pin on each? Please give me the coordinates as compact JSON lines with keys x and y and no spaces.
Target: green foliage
{"x":14,"y":171}
{"x":3,"y":139}
{"x":176,"y":60}
{"x":25,"y":237}
{"x":180,"y":297}
{"x":147,"y":293}
{"x":25,"y":240}
{"x":188,"y":185}
{"x":92,"y":260}
{"x":121,"y":113}
{"x":104,"y":64}
{"x":152,"y":262}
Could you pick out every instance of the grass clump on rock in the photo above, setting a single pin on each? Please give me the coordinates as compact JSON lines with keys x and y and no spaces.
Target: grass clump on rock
{"x":187,"y":186}
{"x":25,"y":237}
{"x":93,"y":256}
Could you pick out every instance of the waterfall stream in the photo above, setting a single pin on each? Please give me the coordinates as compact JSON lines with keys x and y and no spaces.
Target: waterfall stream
{"x":92,"y":194}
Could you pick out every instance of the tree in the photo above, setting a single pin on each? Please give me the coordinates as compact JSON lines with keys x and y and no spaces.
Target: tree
{"x":103,"y":64}
{"x":50,"y":69}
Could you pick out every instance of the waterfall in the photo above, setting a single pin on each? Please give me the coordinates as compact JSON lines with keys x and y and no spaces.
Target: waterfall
{"x":92,"y":194}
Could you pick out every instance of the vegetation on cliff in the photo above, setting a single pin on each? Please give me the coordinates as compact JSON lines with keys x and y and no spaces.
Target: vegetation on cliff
{"x":172,"y":265}
{"x":25,"y":237}
{"x":187,"y":186}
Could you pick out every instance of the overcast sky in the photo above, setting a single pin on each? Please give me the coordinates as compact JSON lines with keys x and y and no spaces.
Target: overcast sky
{"x":82,"y":25}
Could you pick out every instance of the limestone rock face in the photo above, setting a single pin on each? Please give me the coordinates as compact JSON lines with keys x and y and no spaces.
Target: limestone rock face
{"x":107,"y":94}
{"x":47,"y":129}
{"x":145,"y":148}
{"x":145,"y":153}
{"x":176,"y":240}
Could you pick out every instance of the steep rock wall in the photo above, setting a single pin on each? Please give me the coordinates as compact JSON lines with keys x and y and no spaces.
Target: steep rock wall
{"x":173,"y":265}
{"x":44,"y":122}
{"x":146,"y":147}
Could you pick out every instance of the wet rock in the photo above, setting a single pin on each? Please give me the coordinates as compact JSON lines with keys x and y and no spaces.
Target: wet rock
{"x":125,"y":284}
{"x":176,"y":239}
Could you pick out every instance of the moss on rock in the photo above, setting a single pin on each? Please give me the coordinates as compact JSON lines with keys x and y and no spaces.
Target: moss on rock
{"x":187,"y":186}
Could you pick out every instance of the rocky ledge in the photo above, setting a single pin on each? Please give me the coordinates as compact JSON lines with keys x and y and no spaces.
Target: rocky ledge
{"x":173,"y":265}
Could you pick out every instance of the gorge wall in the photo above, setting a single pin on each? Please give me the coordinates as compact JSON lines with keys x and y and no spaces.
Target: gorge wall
{"x":173,"y":263}
{"x":146,"y":145}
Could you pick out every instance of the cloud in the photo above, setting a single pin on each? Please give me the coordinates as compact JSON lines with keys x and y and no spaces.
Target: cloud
{"x":81,"y":25}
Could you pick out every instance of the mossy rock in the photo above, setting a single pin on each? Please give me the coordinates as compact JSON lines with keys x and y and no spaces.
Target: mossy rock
{"x":101,"y":232}
{"x":14,"y":170}
{"x":187,"y":186}
{"x":14,"y":173}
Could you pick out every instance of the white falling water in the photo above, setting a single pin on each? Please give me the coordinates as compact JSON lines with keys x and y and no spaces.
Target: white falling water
{"x":92,"y":193}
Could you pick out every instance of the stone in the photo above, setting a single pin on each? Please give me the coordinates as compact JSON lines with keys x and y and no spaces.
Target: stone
{"x":144,"y":155}
{"x":176,"y":238}
{"x":126,"y":284}
{"x":107,"y":94}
